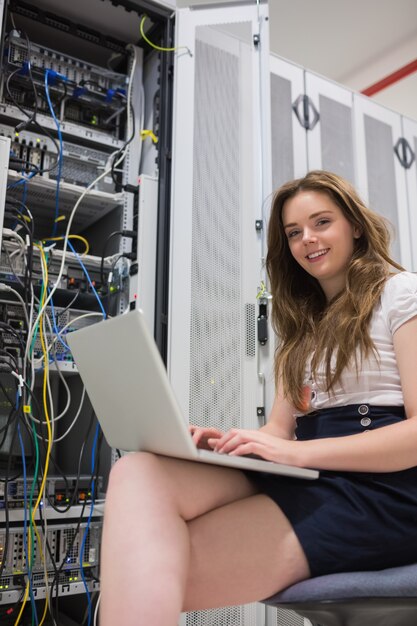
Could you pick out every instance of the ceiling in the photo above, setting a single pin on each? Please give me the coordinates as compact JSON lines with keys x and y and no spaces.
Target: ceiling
{"x":337,"y":38}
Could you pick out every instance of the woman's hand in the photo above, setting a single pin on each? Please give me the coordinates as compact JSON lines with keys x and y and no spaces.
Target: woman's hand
{"x":201,"y":436}
{"x":240,"y":442}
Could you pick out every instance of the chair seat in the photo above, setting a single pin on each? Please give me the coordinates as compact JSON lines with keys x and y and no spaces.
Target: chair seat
{"x":382,"y":598}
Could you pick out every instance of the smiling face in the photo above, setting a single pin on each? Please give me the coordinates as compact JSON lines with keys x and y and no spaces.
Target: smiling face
{"x":320,"y":238}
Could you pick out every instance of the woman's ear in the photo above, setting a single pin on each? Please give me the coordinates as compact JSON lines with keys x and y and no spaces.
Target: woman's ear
{"x":357,"y":232}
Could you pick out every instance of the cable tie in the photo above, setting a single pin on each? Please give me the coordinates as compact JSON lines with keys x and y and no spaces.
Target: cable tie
{"x":27,"y":238}
{"x":49,"y":248}
{"x":148,"y":133}
{"x":21,"y":382}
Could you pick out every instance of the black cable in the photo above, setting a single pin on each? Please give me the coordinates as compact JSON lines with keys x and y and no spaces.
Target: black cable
{"x":5,"y":429}
{"x":77,"y":480}
{"x":9,"y":329}
{"x":128,"y":141}
{"x":8,"y":614}
{"x":29,"y":254}
{"x":18,"y":216}
{"x":6,"y":508}
{"x":32,"y":120}
{"x":58,"y":315}
{"x":94,"y":476}
{"x":122,"y":233}
{"x":15,"y":416}
{"x":27,"y":278}
{"x":103,"y":255}
{"x":7,"y":355}
{"x":9,"y":260}
{"x":28,"y":165}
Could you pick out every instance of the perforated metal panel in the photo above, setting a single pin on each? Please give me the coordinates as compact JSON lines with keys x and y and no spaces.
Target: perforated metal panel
{"x":382,"y":186}
{"x":285,"y":617}
{"x":215,"y":350}
{"x":231,"y":616}
{"x":288,"y":618}
{"x":336,"y":137}
{"x":281,"y":128}
{"x":222,"y":328}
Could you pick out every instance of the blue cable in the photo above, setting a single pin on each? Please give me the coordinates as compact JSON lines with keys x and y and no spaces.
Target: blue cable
{"x":25,"y":192}
{"x":21,"y":181}
{"x":25,"y":546}
{"x":58,"y":126}
{"x":93,"y":289}
{"x":55,"y":326}
{"x":87,"y":528}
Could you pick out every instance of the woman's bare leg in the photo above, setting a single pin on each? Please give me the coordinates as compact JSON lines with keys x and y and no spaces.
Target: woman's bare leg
{"x":242,"y":552}
{"x":171,"y":529}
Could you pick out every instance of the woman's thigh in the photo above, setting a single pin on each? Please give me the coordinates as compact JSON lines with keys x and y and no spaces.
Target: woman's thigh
{"x":242,"y":552}
{"x":191,"y":488}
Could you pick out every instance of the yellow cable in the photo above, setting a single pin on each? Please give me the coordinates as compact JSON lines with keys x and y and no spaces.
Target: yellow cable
{"x":48,"y":425}
{"x":153,"y":45}
{"x":79,"y":237}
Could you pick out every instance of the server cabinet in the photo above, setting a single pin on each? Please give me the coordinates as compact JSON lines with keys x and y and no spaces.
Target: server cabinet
{"x":407,"y":152}
{"x":288,"y":136}
{"x":220,"y":142}
{"x":380,"y":175}
{"x":329,"y":127}
{"x":71,"y":104}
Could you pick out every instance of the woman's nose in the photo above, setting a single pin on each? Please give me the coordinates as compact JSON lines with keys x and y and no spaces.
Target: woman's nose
{"x":308,"y":236}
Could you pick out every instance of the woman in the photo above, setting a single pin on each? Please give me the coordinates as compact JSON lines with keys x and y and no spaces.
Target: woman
{"x":180,"y":536}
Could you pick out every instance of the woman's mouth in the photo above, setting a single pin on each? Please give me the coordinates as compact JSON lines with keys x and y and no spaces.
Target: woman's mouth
{"x":313,"y":257}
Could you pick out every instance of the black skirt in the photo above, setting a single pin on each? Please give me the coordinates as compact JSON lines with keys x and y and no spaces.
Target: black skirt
{"x":349,"y":521}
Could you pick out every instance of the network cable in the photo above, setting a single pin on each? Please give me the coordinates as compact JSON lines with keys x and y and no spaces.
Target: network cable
{"x":58,"y":125}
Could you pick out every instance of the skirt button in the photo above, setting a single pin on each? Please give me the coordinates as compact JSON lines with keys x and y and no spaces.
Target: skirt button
{"x":363,"y":409}
{"x":366,"y":421}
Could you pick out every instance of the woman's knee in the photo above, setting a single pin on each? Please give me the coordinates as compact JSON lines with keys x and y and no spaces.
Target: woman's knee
{"x":130,"y":467}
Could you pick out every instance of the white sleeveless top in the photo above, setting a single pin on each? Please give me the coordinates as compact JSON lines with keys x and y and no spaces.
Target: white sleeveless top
{"x":377,"y":383}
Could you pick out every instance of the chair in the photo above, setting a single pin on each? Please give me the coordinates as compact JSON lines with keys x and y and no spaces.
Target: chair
{"x":383,"y":598}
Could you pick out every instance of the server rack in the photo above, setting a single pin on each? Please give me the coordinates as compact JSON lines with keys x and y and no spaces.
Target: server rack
{"x":72,"y":103}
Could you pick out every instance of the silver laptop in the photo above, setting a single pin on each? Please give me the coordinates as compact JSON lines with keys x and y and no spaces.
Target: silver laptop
{"x":128,"y":386}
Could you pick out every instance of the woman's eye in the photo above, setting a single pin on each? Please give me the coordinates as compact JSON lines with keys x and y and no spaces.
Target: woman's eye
{"x":292,"y":233}
{"x":322,"y":222}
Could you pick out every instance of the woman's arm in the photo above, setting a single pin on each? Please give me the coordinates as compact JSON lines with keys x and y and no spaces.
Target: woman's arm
{"x":387,"y":449}
{"x":281,"y":421}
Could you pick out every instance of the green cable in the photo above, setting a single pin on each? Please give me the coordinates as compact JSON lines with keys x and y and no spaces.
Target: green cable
{"x":35,"y":475}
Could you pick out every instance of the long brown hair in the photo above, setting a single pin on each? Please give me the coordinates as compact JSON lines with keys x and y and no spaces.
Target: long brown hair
{"x":304,"y":321}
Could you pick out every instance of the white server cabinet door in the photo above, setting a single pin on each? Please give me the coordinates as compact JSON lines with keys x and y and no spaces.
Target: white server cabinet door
{"x":380,"y":176}
{"x":216,"y":255}
{"x":288,"y":137}
{"x":219,"y":182}
{"x":330,"y":137}
{"x":409,"y":156}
